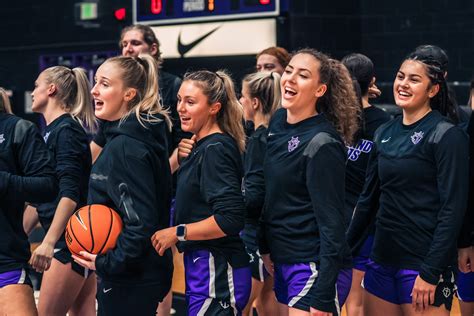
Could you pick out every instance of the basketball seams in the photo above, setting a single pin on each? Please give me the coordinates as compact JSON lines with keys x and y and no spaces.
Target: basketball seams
{"x":110,"y":230}
{"x":90,"y":227}
{"x":75,"y":237}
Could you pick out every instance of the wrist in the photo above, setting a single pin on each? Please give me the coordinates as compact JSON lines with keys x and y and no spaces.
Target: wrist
{"x":181,"y":232}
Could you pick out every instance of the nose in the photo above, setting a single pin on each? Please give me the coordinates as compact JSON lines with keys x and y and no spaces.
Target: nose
{"x":180,"y":106}
{"x":94,"y":90}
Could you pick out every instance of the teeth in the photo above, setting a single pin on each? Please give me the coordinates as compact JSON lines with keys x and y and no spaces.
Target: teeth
{"x":404,"y":93}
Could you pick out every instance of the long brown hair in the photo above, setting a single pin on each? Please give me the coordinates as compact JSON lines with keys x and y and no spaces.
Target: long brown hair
{"x":219,"y":87}
{"x":339,"y":103}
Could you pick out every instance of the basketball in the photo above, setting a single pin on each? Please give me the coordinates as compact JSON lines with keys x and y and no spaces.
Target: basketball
{"x":93,"y":228}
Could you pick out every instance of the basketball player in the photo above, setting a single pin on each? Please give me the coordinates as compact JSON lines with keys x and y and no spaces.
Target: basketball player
{"x":132,"y":175}
{"x":26,"y":175}
{"x":62,"y":96}
{"x":303,"y":217}
{"x":261,"y":97}
{"x":417,"y":185}
{"x":210,"y":211}
{"x":272,"y":59}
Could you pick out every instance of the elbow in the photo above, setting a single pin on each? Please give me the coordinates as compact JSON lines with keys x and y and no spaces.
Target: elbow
{"x":230,"y":226}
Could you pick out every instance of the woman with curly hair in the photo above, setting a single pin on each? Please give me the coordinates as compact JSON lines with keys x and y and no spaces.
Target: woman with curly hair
{"x":303,"y":224}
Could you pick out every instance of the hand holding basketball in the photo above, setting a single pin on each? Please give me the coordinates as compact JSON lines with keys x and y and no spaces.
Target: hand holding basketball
{"x":94,"y":229}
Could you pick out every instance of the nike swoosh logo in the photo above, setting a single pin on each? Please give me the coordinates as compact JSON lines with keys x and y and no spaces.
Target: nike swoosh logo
{"x":106,"y":290}
{"x":196,"y":259}
{"x":184,"y":48}
{"x":386,"y":140}
{"x":270,"y":134}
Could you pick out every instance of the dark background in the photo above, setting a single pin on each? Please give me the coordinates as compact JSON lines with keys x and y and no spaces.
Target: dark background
{"x":384,"y":30}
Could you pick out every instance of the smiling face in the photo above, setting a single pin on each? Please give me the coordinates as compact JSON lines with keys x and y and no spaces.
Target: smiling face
{"x":266,"y":62}
{"x":196,"y":114}
{"x":110,"y":96}
{"x":300,"y":85}
{"x":40,"y":95}
{"x":412,"y":88}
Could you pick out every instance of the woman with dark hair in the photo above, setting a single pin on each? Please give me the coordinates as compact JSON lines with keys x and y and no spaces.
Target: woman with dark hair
{"x":26,"y":175}
{"x":361,"y":69}
{"x":210,"y":210}
{"x":417,"y":185}
{"x":302,"y":227}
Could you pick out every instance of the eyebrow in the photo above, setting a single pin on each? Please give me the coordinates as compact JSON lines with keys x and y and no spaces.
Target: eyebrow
{"x":299,"y":69}
{"x":409,"y":75}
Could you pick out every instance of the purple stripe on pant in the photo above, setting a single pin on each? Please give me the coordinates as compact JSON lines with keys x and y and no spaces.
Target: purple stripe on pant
{"x":213,"y":286}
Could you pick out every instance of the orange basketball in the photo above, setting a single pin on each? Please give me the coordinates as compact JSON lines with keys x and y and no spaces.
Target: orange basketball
{"x":93,"y":228}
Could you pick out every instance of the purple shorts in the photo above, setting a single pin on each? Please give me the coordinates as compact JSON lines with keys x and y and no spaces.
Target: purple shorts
{"x":360,"y":261}
{"x":395,"y":285}
{"x":213,"y":287}
{"x":14,"y":277}
{"x":256,"y":265}
{"x":295,"y":285}
{"x":465,"y":285}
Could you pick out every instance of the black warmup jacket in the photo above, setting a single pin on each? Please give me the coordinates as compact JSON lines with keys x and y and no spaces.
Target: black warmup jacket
{"x":417,"y":185}
{"x":303,"y":214}
{"x":26,"y":175}
{"x":69,"y":146}
{"x":209,"y":184}
{"x":254,"y":185}
{"x":466,"y":236}
{"x":358,"y":156}
{"x":132,"y":176}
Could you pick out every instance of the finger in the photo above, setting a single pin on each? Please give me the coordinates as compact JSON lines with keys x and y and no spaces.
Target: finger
{"x":80,"y":261}
{"x":414,"y":296}
{"x":87,"y":255}
{"x":432,"y":297}
{"x":193,"y":138}
{"x":426,"y":300}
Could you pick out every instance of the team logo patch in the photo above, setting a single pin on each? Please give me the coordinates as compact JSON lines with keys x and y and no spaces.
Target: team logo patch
{"x":2,"y":138}
{"x":446,"y":292}
{"x":46,"y":136}
{"x":417,"y":137}
{"x":224,"y":305}
{"x":293,"y":143}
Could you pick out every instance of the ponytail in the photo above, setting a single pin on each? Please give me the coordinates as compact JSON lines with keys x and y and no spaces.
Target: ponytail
{"x":265,"y":86}
{"x":141,"y":73}
{"x":73,"y":92}
{"x":219,"y":87}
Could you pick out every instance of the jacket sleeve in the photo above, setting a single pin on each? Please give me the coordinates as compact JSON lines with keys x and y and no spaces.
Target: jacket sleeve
{"x":254,"y":183}
{"x":138,"y":210}
{"x":221,"y":180}
{"x":325,"y":173}
{"x":367,"y":205}
{"x":37,"y":182}
{"x":451,"y":156}
{"x":69,"y":156}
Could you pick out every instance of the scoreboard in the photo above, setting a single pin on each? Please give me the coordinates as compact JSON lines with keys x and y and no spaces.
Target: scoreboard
{"x":160,"y":12}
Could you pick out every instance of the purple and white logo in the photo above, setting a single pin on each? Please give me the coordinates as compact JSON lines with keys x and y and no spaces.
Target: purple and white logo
{"x":417,"y":137}
{"x":293,"y":143}
{"x":2,"y":138}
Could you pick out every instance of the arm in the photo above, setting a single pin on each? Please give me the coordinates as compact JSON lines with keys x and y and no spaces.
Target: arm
{"x":325,"y":183}
{"x":37,"y":183}
{"x":221,"y":188}
{"x":70,"y":150}
{"x":451,"y":155}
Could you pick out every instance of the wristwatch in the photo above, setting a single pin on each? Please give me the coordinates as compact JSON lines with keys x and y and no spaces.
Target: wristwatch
{"x":181,"y":232}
